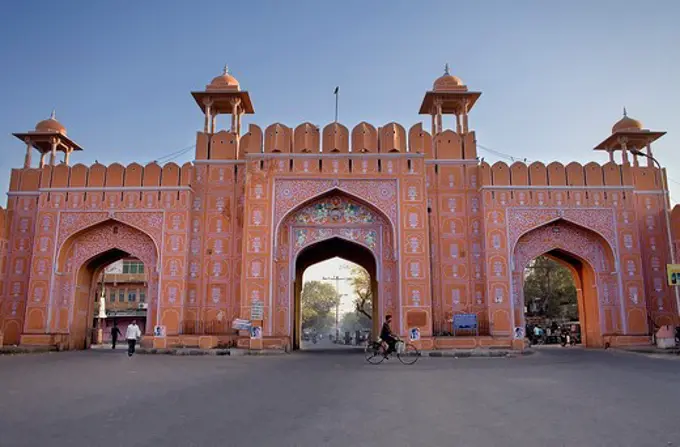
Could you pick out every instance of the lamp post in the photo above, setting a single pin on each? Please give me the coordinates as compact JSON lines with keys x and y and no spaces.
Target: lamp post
{"x":667,"y":215}
{"x":337,"y":280}
{"x":102,"y":313}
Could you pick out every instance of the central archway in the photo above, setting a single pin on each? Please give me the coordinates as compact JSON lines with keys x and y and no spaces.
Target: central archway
{"x":333,"y":224}
{"x":322,"y":251}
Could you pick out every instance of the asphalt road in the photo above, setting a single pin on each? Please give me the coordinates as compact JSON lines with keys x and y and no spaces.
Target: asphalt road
{"x":557,"y":397}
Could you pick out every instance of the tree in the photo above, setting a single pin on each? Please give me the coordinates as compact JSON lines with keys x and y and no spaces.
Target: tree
{"x":361,"y":283}
{"x":355,"y":321}
{"x":549,"y":290}
{"x":318,"y":301}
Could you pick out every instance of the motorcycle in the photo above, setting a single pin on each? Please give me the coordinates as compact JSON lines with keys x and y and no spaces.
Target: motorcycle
{"x":567,"y":339}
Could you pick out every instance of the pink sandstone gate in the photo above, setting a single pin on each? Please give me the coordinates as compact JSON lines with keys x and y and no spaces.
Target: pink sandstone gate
{"x":223,"y":229}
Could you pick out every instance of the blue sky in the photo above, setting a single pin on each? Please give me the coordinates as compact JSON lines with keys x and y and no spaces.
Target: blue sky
{"x":554,"y":75}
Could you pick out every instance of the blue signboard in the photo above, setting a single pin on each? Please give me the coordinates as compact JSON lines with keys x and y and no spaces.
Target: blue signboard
{"x":465,"y":322}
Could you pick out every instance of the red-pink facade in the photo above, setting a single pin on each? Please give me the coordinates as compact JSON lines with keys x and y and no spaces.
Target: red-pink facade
{"x":447,"y":234}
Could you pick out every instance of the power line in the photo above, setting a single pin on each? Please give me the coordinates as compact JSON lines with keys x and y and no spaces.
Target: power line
{"x":172,"y":155}
{"x":502,"y":154}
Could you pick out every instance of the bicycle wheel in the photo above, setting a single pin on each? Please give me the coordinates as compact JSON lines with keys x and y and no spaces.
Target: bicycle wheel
{"x":410,"y":354}
{"x":374,"y":353}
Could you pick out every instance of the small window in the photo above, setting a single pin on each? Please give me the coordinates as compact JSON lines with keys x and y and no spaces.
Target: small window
{"x":140,"y":267}
{"x":112,"y":296}
{"x":132,"y":296}
{"x":133,"y":267}
{"x":126,"y":267}
{"x":142,"y":296}
{"x":121,"y":297}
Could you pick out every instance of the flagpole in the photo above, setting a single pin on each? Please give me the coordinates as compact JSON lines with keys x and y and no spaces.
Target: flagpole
{"x":337,"y":94}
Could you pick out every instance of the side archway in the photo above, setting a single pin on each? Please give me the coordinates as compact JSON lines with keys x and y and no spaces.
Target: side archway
{"x":80,"y":260}
{"x":591,"y":261}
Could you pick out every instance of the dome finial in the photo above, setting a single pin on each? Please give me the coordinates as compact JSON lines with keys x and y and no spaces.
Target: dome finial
{"x":446,"y":69}
{"x":226,"y":69}
{"x":624,"y":111}
{"x":53,"y":115}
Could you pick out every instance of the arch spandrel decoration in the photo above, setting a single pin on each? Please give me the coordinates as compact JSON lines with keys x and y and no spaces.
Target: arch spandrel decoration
{"x":522,"y":220}
{"x":561,"y":235}
{"x":290,"y":193}
{"x":335,"y":215}
{"x":149,"y":222}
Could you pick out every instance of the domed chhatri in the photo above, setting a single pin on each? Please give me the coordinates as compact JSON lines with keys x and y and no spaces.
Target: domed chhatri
{"x":626,"y":124}
{"x":225,"y":81}
{"x":448,"y":82}
{"x":50,"y":125}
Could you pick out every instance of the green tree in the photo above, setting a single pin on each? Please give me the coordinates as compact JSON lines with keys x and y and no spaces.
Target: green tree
{"x":549,"y":290}
{"x":318,"y":305}
{"x":361,"y":284}
{"x":355,"y":321}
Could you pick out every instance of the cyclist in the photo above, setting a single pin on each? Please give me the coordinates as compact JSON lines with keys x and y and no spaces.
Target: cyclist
{"x":388,"y":336}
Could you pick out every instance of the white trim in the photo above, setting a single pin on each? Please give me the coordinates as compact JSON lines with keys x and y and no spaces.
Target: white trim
{"x":100,"y":189}
{"x":335,"y":155}
{"x":22,"y":193}
{"x":219,"y":162}
{"x":554,"y":187}
{"x":451,"y":161}
{"x":116,"y":188}
{"x":650,"y":191}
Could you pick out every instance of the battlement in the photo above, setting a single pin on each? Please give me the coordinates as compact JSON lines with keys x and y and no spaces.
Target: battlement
{"x":99,"y":176}
{"x":335,"y":138}
{"x":574,"y":174}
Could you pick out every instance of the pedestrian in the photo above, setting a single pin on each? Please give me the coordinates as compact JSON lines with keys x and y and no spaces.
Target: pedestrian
{"x":115,"y":333}
{"x":132,"y":335}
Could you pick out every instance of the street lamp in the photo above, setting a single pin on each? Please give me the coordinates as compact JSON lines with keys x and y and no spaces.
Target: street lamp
{"x":337,"y":305}
{"x":667,"y":215}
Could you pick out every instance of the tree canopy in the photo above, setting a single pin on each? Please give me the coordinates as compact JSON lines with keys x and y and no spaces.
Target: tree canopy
{"x":361,"y":284}
{"x":549,"y":290}
{"x":318,"y":305}
{"x":355,"y":321}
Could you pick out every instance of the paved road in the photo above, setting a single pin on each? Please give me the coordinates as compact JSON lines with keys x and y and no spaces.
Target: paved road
{"x":564,"y":397}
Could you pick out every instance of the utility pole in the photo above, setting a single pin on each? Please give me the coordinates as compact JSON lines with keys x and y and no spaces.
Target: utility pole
{"x":337,"y":280}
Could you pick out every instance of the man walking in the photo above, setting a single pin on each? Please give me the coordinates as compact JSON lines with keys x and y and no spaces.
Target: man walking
{"x":132,"y":335}
{"x":115,"y":333}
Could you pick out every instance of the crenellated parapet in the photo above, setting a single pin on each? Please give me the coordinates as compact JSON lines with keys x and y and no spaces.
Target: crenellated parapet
{"x":100,"y":185}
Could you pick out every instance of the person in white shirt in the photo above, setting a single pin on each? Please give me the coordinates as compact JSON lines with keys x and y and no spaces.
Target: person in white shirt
{"x":132,"y":335}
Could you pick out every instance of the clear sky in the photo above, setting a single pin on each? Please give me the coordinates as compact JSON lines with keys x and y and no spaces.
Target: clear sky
{"x":554,"y":75}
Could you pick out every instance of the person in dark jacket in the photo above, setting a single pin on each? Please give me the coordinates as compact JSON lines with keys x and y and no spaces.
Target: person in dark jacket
{"x":115,"y":333}
{"x":387,"y":335}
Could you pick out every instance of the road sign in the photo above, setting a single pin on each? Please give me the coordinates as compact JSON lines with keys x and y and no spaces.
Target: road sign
{"x":241,"y":325}
{"x":465,"y":322}
{"x":673,"y":274}
{"x":257,"y":310}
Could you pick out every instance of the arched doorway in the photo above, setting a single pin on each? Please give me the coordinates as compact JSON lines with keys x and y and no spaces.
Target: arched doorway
{"x":332,"y":224}
{"x":328,"y":249}
{"x":589,"y":259}
{"x":81,"y":259}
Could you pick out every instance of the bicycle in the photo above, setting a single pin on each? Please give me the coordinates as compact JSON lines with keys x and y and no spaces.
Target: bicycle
{"x":376,"y":352}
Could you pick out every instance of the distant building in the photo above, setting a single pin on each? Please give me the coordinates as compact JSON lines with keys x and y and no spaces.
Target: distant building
{"x":125,"y":288}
